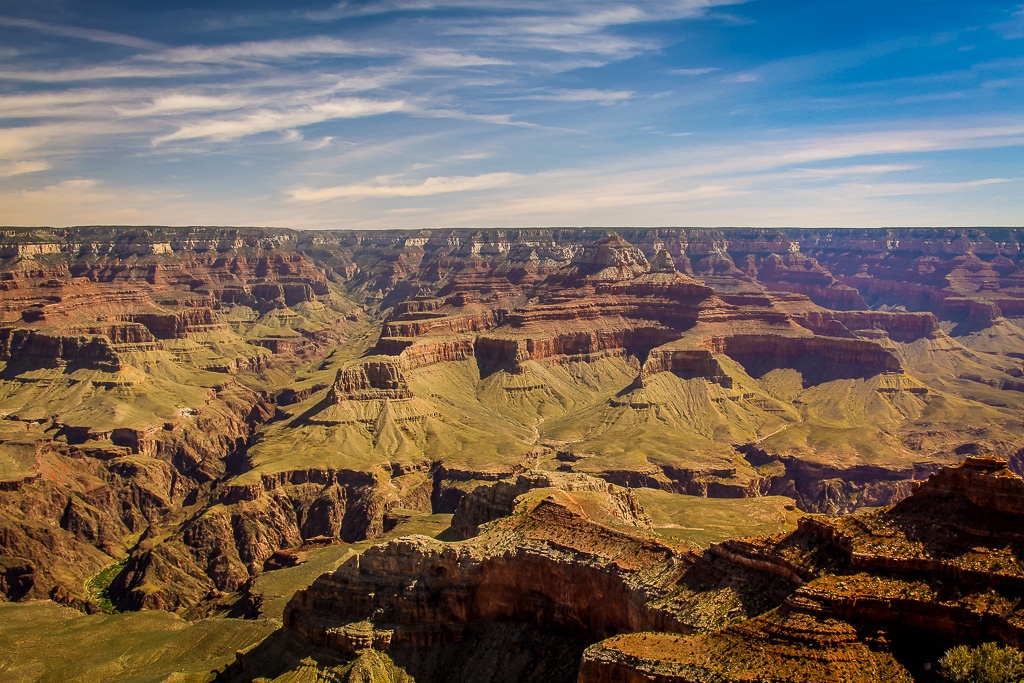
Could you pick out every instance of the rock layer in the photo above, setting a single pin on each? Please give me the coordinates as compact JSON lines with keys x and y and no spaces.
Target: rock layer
{"x":865,"y":598}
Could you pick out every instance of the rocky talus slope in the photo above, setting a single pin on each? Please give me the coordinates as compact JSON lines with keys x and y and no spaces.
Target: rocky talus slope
{"x":180,"y":404}
{"x":872,"y":597}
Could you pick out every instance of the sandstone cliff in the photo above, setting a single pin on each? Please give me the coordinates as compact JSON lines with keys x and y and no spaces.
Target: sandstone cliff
{"x":874,"y":597}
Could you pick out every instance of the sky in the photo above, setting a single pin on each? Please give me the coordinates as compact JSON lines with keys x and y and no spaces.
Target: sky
{"x":478,"y":113}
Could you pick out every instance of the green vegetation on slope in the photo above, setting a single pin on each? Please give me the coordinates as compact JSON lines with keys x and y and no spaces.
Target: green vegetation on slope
{"x":703,"y":521}
{"x":41,"y":642}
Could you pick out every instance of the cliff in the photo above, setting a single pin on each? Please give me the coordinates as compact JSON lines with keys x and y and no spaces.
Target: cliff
{"x":899,"y":586}
{"x":872,"y":597}
{"x":550,"y":566}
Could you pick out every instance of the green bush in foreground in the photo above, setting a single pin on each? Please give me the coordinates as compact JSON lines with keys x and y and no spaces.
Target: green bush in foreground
{"x":988,"y":663}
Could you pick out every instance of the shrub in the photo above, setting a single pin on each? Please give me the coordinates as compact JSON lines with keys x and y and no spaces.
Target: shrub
{"x":988,"y":663}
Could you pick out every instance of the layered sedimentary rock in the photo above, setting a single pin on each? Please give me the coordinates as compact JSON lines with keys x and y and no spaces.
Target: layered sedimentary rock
{"x":936,"y":569}
{"x":551,"y":565}
{"x":135,"y":375}
{"x":489,"y":502}
{"x":72,"y":513}
{"x":370,"y":380}
{"x":874,"y":597}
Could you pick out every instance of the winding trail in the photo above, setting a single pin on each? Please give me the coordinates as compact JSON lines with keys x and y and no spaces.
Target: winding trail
{"x":780,"y":429}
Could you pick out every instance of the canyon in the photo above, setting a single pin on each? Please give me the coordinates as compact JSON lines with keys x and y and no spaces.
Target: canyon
{"x":188,"y":410}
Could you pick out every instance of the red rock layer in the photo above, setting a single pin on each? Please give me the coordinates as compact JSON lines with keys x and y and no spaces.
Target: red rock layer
{"x":941,"y":563}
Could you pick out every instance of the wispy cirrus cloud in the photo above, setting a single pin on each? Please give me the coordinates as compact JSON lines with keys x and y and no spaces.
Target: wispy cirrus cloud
{"x":730,"y":181}
{"x":107,"y":72}
{"x":748,"y":77}
{"x":454,"y":111}
{"x":451,"y":59}
{"x":268,"y":50}
{"x":61,"y":103}
{"x":179,"y":103}
{"x":606,"y":97}
{"x":1013,"y":28}
{"x":90,"y":34}
{"x":269,"y":120}
{"x":855,"y":169}
{"x":9,"y":169}
{"x":700,"y":71}
{"x":426,"y":188}
{"x":904,"y":189}
{"x":593,"y":12}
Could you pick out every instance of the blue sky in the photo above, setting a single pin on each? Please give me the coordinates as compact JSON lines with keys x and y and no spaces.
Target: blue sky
{"x":419,"y":113}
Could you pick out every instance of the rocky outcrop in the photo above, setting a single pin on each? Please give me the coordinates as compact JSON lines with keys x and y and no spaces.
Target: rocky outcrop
{"x":902,"y":327}
{"x":86,"y":508}
{"x":840,"y":597}
{"x":370,"y":380}
{"x":489,"y":502}
{"x":418,"y":592}
{"x":32,"y":348}
{"x":17,"y":577}
{"x":550,"y":566}
{"x":774,"y":649}
{"x":937,"y":565}
{"x":825,"y":358}
{"x":175,"y":325}
{"x":986,"y":482}
{"x":688,"y":363}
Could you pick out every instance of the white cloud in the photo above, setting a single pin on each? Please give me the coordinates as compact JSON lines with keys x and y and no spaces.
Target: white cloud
{"x":13,"y":168}
{"x":781,"y":151}
{"x":178,"y":103}
{"x":742,"y":78}
{"x":495,"y":119}
{"x":477,"y":61}
{"x":693,"y":72}
{"x":427,"y":188}
{"x":903,"y":189}
{"x":858,"y":169}
{"x":1014,"y":28}
{"x":269,"y":120}
{"x":270,"y":50}
{"x":450,"y":59}
{"x":108,"y":72}
{"x":89,"y":34}
{"x":754,"y":184}
{"x":611,"y":12}
{"x":605,"y":97}
{"x":77,"y":102}
{"x":16,"y":142}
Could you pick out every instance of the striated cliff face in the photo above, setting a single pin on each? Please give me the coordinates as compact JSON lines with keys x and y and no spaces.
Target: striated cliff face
{"x":135,"y":374}
{"x":489,"y":502}
{"x":550,"y":565}
{"x":900,"y":586}
{"x":28,"y":347}
{"x":872,"y":597}
{"x":835,"y":357}
{"x":452,"y":588}
{"x":370,"y":380}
